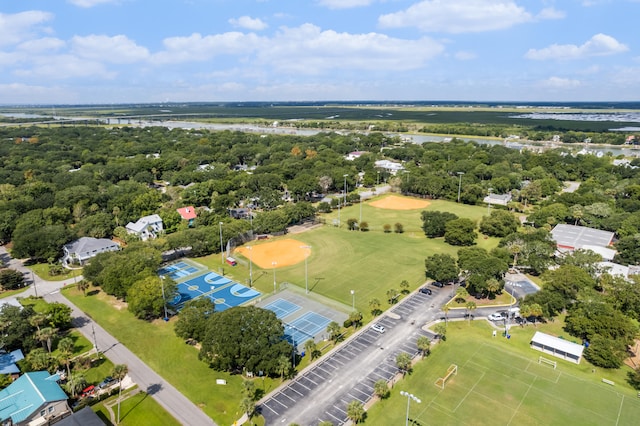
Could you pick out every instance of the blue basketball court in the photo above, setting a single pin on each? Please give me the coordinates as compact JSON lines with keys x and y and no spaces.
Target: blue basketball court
{"x":224,"y":292}
{"x":179,"y":270}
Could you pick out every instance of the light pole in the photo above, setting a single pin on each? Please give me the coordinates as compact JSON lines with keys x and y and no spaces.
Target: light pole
{"x":250,"y":266}
{"x":306,"y":270}
{"x":338,"y":212}
{"x":221,"y":252}
{"x":378,"y":180}
{"x":35,"y":288}
{"x":274,"y":275}
{"x":353,"y":300}
{"x":164,"y":299}
{"x":345,"y":189}
{"x":293,"y":349}
{"x":360,"y":211}
{"x":409,"y":398}
{"x":459,"y":184}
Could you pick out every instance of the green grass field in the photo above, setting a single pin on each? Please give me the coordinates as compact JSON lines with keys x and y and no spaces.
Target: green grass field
{"x":370,"y":263}
{"x":500,"y":382}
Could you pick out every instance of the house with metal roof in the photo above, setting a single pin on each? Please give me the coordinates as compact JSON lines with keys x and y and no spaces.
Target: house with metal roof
{"x":83,"y":249}
{"x":33,"y":399}
{"x":8,"y":363}
{"x":147,"y":227}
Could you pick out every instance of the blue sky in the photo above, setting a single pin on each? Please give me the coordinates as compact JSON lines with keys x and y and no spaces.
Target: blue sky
{"x":117,"y":51}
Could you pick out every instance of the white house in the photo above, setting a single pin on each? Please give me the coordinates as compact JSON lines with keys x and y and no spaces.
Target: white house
{"x":355,"y":154}
{"x":83,"y":249}
{"x":389,"y":166}
{"x":498,"y":199}
{"x":146,"y":227}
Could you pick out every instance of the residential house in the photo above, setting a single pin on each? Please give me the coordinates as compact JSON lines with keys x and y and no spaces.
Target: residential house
{"x":147,"y":227}
{"x":355,"y":154}
{"x":240,"y":213}
{"x":389,"y":166}
{"x":8,"y":363}
{"x":572,"y":237}
{"x":33,"y":399}
{"x":498,"y":199}
{"x":188,"y":213}
{"x":83,"y":249}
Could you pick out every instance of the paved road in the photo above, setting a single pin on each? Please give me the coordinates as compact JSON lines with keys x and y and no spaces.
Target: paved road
{"x":166,"y":395}
{"x":323,"y":390}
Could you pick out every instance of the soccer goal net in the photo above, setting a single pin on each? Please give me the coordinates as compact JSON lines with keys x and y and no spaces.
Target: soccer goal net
{"x":451,"y":371}
{"x":543,"y":360}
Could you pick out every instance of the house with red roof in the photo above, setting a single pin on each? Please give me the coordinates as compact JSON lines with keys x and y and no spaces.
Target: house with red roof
{"x":188,"y":213}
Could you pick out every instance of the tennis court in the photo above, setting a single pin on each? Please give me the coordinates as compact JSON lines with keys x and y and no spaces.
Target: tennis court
{"x":282,"y":308}
{"x":305,"y":327}
{"x":224,"y":292}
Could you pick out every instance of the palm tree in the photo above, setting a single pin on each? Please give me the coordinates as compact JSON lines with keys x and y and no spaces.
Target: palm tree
{"x":119,"y":372}
{"x":403,"y":362}
{"x":39,"y":359}
{"x":45,"y":336}
{"x":75,"y":383}
{"x":248,"y":406}
{"x":65,"y":347}
{"x":493,"y":286}
{"x":355,"y":411}
{"x":283,"y":365}
{"x":471,"y":306}
{"x":446,"y":308}
{"x":334,"y":331}
{"x":82,"y":285}
{"x":381,"y":389}
{"x":404,"y":286}
{"x":424,"y":345}
{"x":374,"y":304}
{"x":37,"y":320}
{"x":249,"y":389}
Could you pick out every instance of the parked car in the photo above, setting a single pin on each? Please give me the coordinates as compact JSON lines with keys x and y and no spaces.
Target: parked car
{"x":437,"y":284}
{"x":425,"y":290}
{"x":88,"y":391}
{"x":496,"y":316}
{"x":378,"y":328}
{"x":106,"y":382}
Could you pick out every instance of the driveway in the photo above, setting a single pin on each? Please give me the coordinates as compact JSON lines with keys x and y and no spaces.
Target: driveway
{"x":184,"y":411}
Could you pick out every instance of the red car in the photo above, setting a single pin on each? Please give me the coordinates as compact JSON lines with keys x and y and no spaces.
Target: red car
{"x":88,"y":391}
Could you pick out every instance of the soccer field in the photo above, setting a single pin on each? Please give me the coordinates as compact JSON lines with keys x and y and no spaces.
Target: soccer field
{"x":498,"y":384}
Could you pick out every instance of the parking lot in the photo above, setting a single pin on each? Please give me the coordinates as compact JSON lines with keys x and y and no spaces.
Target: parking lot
{"x":323,"y":391}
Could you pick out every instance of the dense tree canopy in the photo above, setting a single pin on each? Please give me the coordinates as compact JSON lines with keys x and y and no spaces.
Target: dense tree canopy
{"x":242,"y":338}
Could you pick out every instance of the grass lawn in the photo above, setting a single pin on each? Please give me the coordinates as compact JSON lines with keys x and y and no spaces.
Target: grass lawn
{"x":157,"y":345}
{"x":42,"y":270}
{"x":500,"y":382}
{"x":137,"y":410}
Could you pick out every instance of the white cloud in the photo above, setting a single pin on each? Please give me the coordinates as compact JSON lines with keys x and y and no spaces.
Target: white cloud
{"x":46,"y":44}
{"x":344,"y":4}
{"x":60,"y":67}
{"x":560,"y":83}
{"x":198,"y":48}
{"x":21,"y":26}
{"x":248,"y":23}
{"x":598,"y":45}
{"x":308,"y":50}
{"x":465,"y":56}
{"x":90,"y":3}
{"x":18,"y":92}
{"x":458,"y":16}
{"x":117,"y":49}
{"x":551,"y":13}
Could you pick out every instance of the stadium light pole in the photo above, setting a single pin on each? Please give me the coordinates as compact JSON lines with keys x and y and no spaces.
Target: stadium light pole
{"x":353,"y":300}
{"x":409,"y":398}
{"x":250,"y":266}
{"x":293,"y":348}
{"x":360,"y":211}
{"x":164,"y":299}
{"x":378,"y":180}
{"x":345,"y":189}
{"x":306,"y":270}
{"x":274,"y":275}
{"x":459,"y":184}
{"x":221,"y":252}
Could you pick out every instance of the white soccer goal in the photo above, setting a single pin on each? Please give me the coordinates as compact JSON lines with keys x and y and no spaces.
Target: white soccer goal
{"x":451,"y":371}
{"x":543,"y":360}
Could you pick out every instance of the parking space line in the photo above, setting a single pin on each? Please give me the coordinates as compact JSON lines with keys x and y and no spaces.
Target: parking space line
{"x":282,"y":393}
{"x":291,"y":387}
{"x":269,"y":407}
{"x":278,"y":401}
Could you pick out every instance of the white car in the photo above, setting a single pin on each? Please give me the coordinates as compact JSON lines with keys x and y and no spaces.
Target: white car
{"x":378,"y":328}
{"x":495,"y":317}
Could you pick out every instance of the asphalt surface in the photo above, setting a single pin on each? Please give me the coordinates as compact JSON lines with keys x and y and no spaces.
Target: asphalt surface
{"x":184,"y":411}
{"x":323,"y":390}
